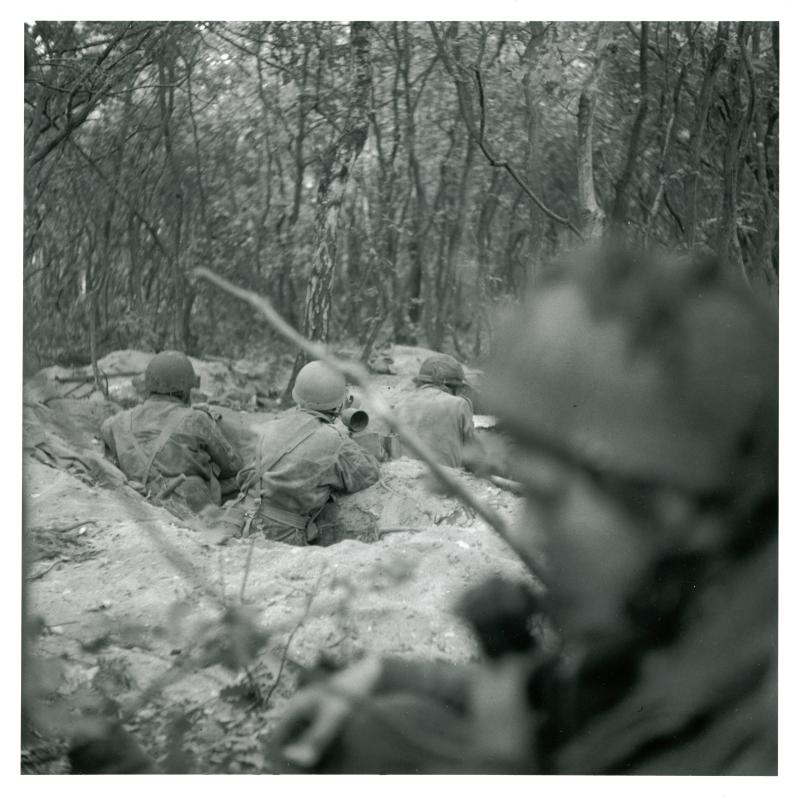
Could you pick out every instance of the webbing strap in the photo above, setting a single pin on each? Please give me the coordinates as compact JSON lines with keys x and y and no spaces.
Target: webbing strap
{"x":300,"y":435}
{"x":167,"y":431}
{"x":277,"y":514}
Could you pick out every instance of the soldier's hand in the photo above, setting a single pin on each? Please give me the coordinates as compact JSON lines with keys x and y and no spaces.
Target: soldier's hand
{"x":316,"y":715}
{"x":314,"y":718}
{"x":503,"y":719}
{"x":215,"y":415}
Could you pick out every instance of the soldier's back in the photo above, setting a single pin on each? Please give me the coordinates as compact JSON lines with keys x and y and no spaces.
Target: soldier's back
{"x":136,"y":439}
{"x":439,"y":419}
{"x":297,"y":457}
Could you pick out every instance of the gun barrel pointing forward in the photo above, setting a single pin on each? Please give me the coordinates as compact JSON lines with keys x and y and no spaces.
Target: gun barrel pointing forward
{"x":356,"y":419}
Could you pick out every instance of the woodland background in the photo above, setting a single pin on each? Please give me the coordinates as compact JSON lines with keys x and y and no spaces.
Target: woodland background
{"x":381,"y":182}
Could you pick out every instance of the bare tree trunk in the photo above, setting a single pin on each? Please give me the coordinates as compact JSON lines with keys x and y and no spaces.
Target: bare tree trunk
{"x":592,"y":217}
{"x":337,"y":164}
{"x":765,"y":257}
{"x":736,"y":130}
{"x":698,"y":129}
{"x":622,"y":188}
{"x":654,"y":207}
{"x":416,"y":243}
{"x":482,"y":298}
{"x":532,"y":146}
{"x":174,"y":204}
{"x":446,"y":279}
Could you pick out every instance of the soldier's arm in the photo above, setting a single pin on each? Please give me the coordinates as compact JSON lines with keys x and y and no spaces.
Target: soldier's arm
{"x":356,"y":467}
{"x":108,"y":440}
{"x":447,"y":683}
{"x":245,"y":475}
{"x":220,"y":449}
{"x":467,"y":421}
{"x":317,"y":715}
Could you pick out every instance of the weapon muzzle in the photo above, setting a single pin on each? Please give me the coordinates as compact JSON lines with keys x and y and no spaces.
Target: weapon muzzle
{"x":356,"y":419}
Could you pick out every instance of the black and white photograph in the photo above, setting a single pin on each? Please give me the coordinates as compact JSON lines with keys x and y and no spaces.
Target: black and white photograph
{"x":399,"y":397}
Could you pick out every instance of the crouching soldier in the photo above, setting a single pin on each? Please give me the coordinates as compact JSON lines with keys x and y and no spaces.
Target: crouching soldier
{"x":642,"y":394}
{"x":434,"y":412}
{"x":165,"y":447}
{"x":303,"y":460}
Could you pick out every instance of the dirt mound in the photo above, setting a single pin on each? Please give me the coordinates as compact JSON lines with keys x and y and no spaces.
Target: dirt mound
{"x":403,"y":499}
{"x":242,"y":383}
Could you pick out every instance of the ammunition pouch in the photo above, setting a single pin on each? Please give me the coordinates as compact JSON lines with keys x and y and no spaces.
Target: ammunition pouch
{"x":272,"y":513}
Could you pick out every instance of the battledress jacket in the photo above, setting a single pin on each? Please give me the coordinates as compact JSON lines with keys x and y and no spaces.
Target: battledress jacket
{"x":196,"y":448}
{"x":441,"y":420}
{"x":301,"y":476}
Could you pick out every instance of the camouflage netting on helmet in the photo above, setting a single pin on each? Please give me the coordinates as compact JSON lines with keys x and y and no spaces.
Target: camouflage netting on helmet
{"x":442,"y":370}
{"x":658,"y":369}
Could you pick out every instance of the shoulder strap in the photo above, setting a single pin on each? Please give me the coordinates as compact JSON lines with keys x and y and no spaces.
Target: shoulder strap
{"x":292,"y":443}
{"x":139,"y":450}
{"x":167,"y":431}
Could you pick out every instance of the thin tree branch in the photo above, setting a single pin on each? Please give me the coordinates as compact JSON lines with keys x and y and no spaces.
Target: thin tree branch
{"x":479,"y":136}
{"x":311,"y":596}
{"x":150,"y":229}
{"x":495,"y":162}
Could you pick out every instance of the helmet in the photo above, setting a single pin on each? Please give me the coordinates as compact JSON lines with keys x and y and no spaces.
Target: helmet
{"x":666,"y":372}
{"x":319,"y":387}
{"x":442,"y":370}
{"x":170,"y":372}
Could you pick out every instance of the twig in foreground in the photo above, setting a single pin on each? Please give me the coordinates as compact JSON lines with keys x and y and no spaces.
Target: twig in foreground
{"x":290,"y":639}
{"x":357,"y":374}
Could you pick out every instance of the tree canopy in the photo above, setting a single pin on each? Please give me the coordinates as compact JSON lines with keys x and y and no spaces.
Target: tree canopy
{"x":155,"y":147}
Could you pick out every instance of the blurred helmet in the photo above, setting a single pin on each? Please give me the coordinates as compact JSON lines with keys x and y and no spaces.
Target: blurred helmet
{"x":170,"y":372}
{"x":319,"y":387}
{"x":442,"y":370}
{"x":658,"y":369}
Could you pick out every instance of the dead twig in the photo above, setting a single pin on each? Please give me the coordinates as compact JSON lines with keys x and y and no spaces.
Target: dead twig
{"x":384,"y":531}
{"x":47,"y":569}
{"x":299,"y":624}
{"x":357,"y":374}
{"x":89,"y":378}
{"x":464,"y":104}
{"x":166,"y":678}
{"x":508,"y":485}
{"x":65,"y":528}
{"x":247,"y":566}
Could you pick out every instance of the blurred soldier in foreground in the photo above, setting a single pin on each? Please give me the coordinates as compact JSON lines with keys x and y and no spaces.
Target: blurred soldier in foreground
{"x":165,"y":447}
{"x":303,"y":460}
{"x":644,"y":396}
{"x":433,"y":411}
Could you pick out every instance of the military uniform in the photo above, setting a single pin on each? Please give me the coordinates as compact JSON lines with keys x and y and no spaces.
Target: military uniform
{"x":195,"y":448}
{"x":441,"y":420}
{"x":302,"y":461}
